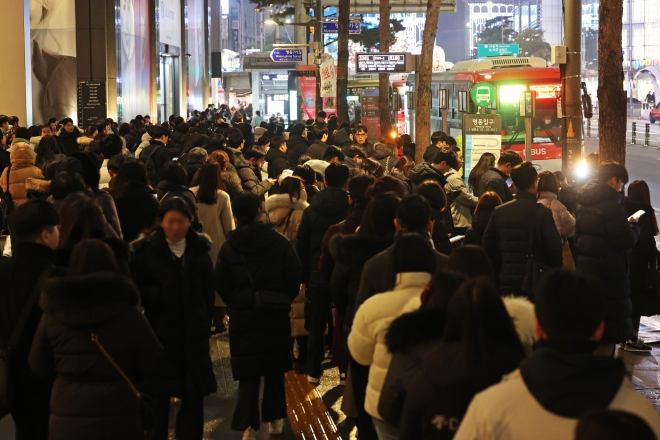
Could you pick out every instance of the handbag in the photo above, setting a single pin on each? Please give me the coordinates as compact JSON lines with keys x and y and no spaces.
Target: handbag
{"x":147,"y":411}
{"x":267,"y":299}
{"x":6,"y":380}
{"x":6,"y":205}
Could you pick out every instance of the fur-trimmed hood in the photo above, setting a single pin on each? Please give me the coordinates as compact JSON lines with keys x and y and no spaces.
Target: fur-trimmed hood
{"x":84,"y":140}
{"x":521,"y":311}
{"x":34,"y":184}
{"x":22,"y":155}
{"x":280,"y":206}
{"x":90,"y":299}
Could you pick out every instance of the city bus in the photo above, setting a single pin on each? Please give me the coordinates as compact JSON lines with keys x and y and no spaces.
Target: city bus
{"x":509,"y":76}
{"x":362,"y":100}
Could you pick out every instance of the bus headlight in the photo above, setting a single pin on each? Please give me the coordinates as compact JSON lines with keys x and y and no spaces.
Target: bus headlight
{"x":581,"y":170}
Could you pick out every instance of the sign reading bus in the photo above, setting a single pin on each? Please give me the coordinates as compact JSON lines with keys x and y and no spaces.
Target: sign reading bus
{"x":483,"y":94}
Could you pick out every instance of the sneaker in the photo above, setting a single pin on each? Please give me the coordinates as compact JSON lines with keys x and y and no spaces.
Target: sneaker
{"x":342,"y":379}
{"x":313,"y":380}
{"x":637,"y":346}
{"x":250,"y":434}
{"x":276,"y":427}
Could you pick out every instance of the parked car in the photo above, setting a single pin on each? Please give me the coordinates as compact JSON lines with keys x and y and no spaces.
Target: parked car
{"x":654,"y":115}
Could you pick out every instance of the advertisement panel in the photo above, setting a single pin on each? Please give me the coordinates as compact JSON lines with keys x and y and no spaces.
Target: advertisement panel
{"x":169,"y":22}
{"x":133,"y":59}
{"x":54,"y":74}
{"x":196,"y":60}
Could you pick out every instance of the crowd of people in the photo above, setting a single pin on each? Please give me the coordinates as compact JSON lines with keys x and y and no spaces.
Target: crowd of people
{"x":486,"y":309}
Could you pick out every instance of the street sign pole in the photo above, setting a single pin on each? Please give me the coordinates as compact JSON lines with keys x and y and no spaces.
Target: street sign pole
{"x":318,"y":49}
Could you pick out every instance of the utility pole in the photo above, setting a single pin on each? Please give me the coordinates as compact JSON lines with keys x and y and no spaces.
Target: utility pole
{"x":318,"y":50}
{"x":572,"y":126}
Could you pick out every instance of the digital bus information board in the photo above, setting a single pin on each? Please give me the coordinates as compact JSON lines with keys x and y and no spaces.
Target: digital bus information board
{"x":381,"y":62}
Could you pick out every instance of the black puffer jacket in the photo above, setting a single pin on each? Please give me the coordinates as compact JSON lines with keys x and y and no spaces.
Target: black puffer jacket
{"x":494,"y":180}
{"x":178,"y":302}
{"x":191,"y":167}
{"x":644,"y":254}
{"x":506,"y":240}
{"x":160,"y":157}
{"x":137,"y":210}
{"x":232,"y":183}
{"x":178,"y":140}
{"x":89,"y":396}
{"x":410,"y":338}
{"x":69,"y":141}
{"x":423,"y":172}
{"x":296,"y":147}
{"x":429,"y":154}
{"x":386,"y":155}
{"x":317,"y":149}
{"x":342,"y":139}
{"x":475,"y":233}
{"x":328,"y":208}
{"x":277,"y":162}
{"x":259,"y":339}
{"x":350,"y":252}
{"x":604,"y":238}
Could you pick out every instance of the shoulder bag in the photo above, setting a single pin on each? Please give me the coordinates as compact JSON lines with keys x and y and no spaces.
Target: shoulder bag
{"x":6,"y":380}
{"x":146,"y":404}
{"x":267,"y":299}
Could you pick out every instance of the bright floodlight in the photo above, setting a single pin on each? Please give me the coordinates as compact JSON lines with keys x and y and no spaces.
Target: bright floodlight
{"x":581,"y":170}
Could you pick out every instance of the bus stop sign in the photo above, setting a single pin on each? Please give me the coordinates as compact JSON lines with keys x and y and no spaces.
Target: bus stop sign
{"x":483,"y":94}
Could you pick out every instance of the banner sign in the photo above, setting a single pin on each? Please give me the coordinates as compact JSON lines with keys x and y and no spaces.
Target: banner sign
{"x":328,"y":79}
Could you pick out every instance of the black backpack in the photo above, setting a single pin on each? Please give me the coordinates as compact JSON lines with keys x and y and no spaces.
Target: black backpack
{"x":152,"y":173}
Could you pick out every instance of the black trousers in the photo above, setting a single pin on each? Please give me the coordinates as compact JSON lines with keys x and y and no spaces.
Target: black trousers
{"x":31,"y":414}
{"x":320,"y":308}
{"x":360,"y":380}
{"x":273,"y":405}
{"x":190,"y":418}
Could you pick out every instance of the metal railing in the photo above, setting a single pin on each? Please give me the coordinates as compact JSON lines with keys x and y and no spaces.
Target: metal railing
{"x":638,"y":134}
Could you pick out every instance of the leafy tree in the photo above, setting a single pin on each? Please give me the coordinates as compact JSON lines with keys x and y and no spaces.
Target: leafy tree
{"x":497,"y":30}
{"x":532,"y":44}
{"x":500,"y":30}
{"x":370,"y":37}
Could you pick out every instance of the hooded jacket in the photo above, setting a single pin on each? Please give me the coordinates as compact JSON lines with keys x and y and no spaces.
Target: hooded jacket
{"x":506,"y":240}
{"x":564,"y":221}
{"x":68,"y":141}
{"x":475,"y":233}
{"x":494,"y":180}
{"x":232,"y":183}
{"x":217,"y":220}
{"x":137,"y":210}
{"x":160,"y":157}
{"x":145,"y":139}
{"x":386,"y":154}
{"x":286,"y":214}
{"x":178,"y":299}
{"x":277,"y":162}
{"x":429,"y":154}
{"x":250,"y":180}
{"x":604,"y":239}
{"x":342,"y":139}
{"x":259,"y":337}
{"x":423,"y":172}
{"x":366,"y":342}
{"x":22,"y":168}
{"x":643,"y":256}
{"x":548,"y":394}
{"x":191,"y":167}
{"x":89,"y":396}
{"x":296,"y":146}
{"x":463,"y":203}
{"x":328,"y":207}
{"x":317,"y":149}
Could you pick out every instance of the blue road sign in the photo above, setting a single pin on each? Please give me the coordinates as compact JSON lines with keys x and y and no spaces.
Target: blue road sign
{"x":287,"y":55}
{"x":332,"y":27}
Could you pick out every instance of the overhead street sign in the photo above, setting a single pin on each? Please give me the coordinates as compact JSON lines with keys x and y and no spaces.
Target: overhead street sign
{"x":380,"y":62}
{"x":286,"y":55}
{"x":332,"y":27}
{"x":496,"y":50}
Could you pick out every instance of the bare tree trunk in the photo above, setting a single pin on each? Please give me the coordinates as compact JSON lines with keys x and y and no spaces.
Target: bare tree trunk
{"x":612,"y":116}
{"x":342,"y":60}
{"x":423,"y":82}
{"x":384,"y":78}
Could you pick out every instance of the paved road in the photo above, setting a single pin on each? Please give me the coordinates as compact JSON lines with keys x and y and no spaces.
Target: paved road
{"x":642,"y":162}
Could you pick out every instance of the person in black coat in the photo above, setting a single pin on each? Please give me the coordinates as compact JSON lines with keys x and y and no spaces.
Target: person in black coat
{"x":178,"y":139}
{"x":157,"y":149}
{"x":429,"y":171}
{"x":482,"y":213}
{"x":34,"y":239}
{"x":604,"y":238}
{"x":173,"y":270}
{"x":328,"y":208}
{"x":277,"y":157}
{"x":68,"y":136}
{"x":196,"y":159}
{"x":136,"y":206}
{"x":507,"y":236}
{"x":495,"y":179}
{"x":256,"y":257}
{"x":297,"y":144}
{"x":644,"y":256}
{"x":90,"y":397}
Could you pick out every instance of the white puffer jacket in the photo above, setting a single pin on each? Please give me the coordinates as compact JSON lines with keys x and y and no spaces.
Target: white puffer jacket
{"x":564,"y":221}
{"x":366,"y":341}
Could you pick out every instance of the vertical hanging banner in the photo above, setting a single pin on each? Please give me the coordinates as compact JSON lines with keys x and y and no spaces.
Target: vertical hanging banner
{"x":328,"y":79}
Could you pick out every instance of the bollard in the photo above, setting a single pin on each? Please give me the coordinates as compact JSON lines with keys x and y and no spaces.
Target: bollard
{"x":589,"y":127}
{"x":634,"y":133}
{"x":647,"y":135}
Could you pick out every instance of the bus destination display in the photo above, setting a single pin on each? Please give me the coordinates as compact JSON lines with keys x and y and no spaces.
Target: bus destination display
{"x":381,"y":62}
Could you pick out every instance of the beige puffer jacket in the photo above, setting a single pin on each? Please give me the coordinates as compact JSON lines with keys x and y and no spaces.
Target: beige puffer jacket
{"x":22,"y":168}
{"x":285,"y":214}
{"x":564,"y":221}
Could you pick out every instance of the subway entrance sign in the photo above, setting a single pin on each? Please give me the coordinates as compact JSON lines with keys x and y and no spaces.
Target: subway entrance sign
{"x":286,"y":55}
{"x":483,"y":94}
{"x":496,"y":50}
